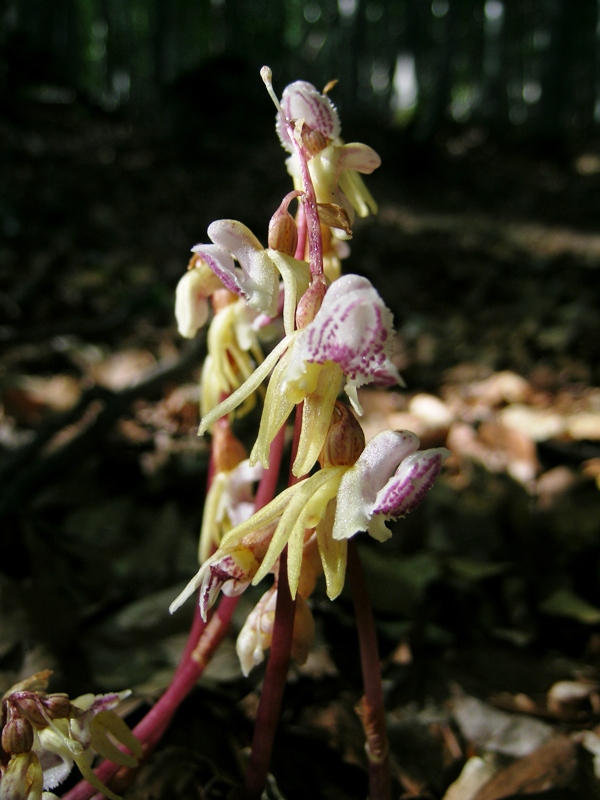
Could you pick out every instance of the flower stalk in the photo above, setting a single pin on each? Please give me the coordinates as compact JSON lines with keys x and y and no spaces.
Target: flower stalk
{"x":371,"y":710}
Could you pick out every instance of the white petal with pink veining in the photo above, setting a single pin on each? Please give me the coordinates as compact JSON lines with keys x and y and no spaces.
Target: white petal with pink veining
{"x":389,"y":480}
{"x":300,"y":100}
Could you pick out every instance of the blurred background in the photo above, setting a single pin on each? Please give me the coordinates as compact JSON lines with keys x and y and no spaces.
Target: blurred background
{"x":126,"y":127}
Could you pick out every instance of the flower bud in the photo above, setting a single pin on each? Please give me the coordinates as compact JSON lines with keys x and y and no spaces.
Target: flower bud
{"x":345,"y":439}
{"x":313,"y":140}
{"x":57,"y":705}
{"x":30,"y":706}
{"x":17,"y":734}
{"x":283,"y":233}
{"x":227,"y":450}
{"x":311,"y":301}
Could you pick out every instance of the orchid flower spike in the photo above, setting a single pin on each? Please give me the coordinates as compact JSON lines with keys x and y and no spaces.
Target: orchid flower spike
{"x":387,"y":481}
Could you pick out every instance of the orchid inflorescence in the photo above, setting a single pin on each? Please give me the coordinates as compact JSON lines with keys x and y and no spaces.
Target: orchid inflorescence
{"x":283,"y":313}
{"x":337,"y":336}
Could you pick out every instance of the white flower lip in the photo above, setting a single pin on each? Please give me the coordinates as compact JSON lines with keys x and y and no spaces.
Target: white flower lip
{"x":300,"y":100}
{"x":388,"y":481}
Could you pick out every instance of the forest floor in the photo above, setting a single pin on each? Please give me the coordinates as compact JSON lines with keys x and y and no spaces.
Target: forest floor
{"x":487,"y":598}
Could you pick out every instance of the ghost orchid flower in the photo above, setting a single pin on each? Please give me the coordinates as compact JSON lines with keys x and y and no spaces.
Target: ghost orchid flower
{"x":348,"y":342}
{"x":334,"y":166}
{"x":389,"y":479}
{"x":191,"y":297}
{"x":229,"y":501}
{"x":257,"y":276}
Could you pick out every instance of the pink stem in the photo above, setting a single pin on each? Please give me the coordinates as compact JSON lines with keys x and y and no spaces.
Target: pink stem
{"x":372,"y":709}
{"x":269,"y":707}
{"x":301,"y":226}
{"x":309,"y":203}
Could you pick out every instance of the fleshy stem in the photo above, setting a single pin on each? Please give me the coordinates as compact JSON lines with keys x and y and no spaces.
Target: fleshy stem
{"x":203,"y":640}
{"x":269,"y":707}
{"x":372,"y":711}
{"x":309,"y":200}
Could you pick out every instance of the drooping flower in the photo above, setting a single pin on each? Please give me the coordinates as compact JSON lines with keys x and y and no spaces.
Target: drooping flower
{"x":348,"y":343}
{"x":387,"y":481}
{"x":230,"y":570}
{"x":256,"y":633}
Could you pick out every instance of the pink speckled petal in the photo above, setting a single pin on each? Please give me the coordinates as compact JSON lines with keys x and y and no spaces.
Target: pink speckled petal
{"x":361,"y":484}
{"x":410,"y":483}
{"x":259,"y":277}
{"x":354,"y":329}
{"x":223,"y":265}
{"x":300,"y":100}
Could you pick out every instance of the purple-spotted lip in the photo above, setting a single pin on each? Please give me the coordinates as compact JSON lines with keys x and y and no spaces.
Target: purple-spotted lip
{"x":223,"y":266}
{"x":300,"y":100}
{"x":412,"y":480}
{"x":353,"y":328}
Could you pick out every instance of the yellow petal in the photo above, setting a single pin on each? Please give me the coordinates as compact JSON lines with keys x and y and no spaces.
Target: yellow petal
{"x":316,"y":416}
{"x":276,"y":410}
{"x":333,"y":553}
{"x":299,"y":513}
{"x":246,"y":389}
{"x":296,"y":277}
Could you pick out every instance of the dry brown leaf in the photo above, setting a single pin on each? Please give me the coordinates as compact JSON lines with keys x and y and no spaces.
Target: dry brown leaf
{"x":553,"y":765}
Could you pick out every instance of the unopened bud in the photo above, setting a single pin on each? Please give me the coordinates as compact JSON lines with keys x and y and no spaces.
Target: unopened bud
{"x":30,"y":706}
{"x":223,"y":298}
{"x":283,"y":233}
{"x":313,"y":140}
{"x":227,"y":450}
{"x":345,"y":439}
{"x":311,"y":301}
{"x":57,"y":705}
{"x":335,"y":216}
{"x":17,"y":734}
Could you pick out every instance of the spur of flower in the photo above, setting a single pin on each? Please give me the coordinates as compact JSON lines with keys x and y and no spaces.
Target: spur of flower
{"x":348,"y":344}
{"x":354,"y":491}
{"x":44,"y":735}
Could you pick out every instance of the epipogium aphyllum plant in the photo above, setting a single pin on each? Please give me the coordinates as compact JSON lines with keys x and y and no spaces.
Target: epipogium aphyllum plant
{"x":286,"y":313}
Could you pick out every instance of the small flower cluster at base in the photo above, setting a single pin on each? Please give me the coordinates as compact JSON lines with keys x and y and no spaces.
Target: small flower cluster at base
{"x":44,"y":735}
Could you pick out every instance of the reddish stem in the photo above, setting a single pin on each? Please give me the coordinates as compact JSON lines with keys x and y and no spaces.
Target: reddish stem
{"x":372,"y":710}
{"x":301,"y":226}
{"x":309,"y":203}
{"x":269,"y":708}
